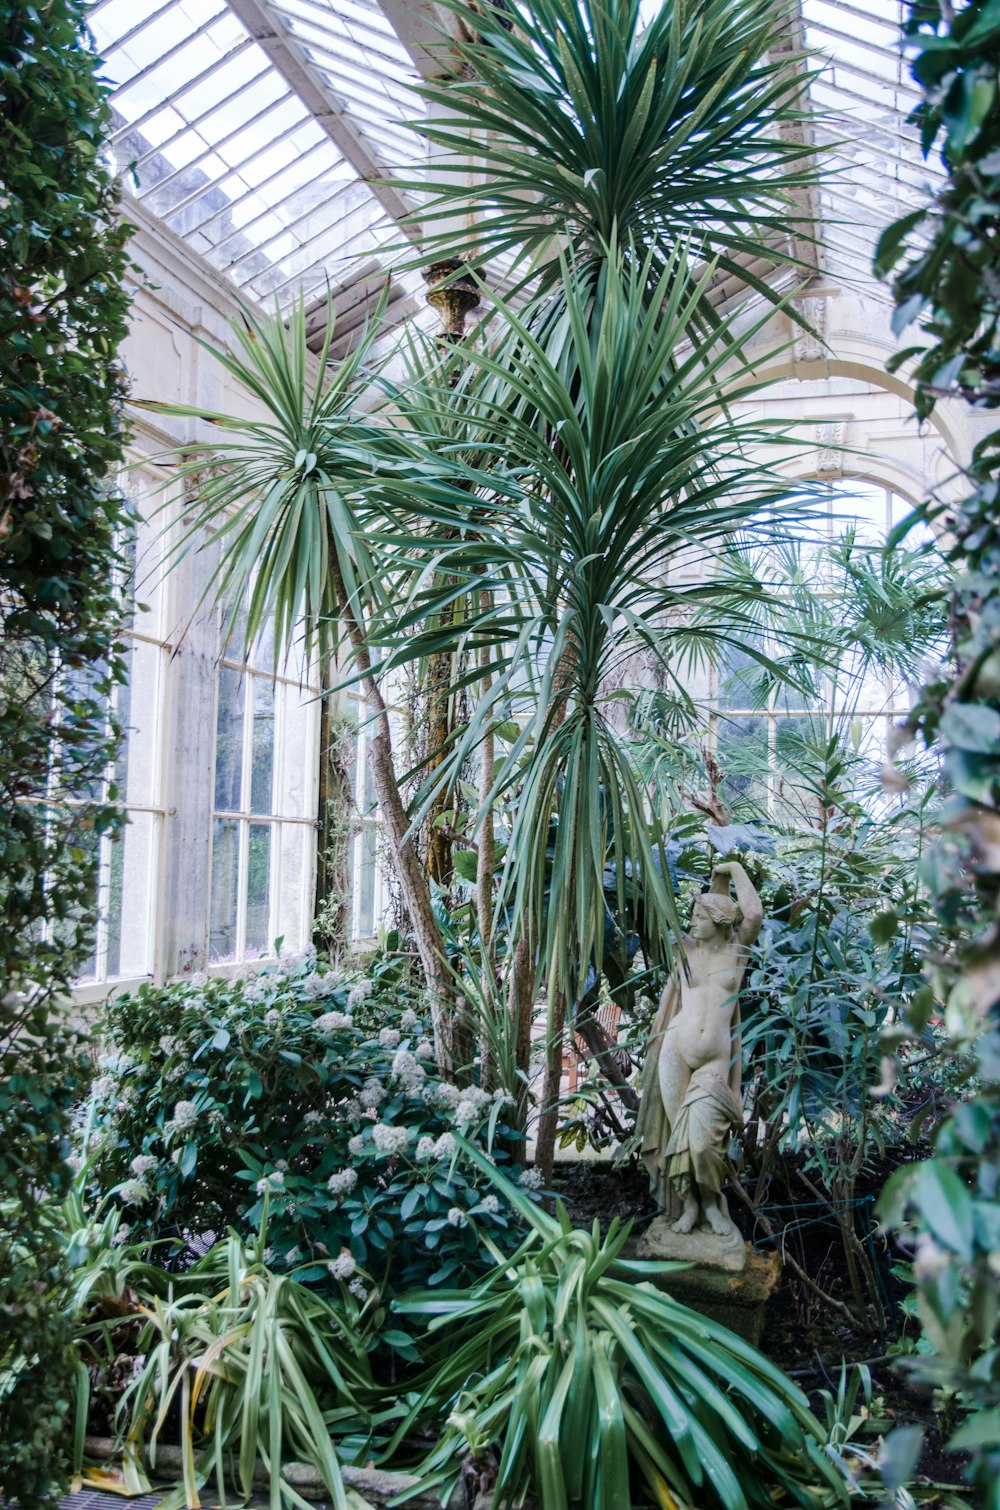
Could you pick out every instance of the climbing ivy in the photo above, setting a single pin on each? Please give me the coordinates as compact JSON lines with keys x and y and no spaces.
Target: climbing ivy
{"x":946,"y":260}
{"x":63,"y":312}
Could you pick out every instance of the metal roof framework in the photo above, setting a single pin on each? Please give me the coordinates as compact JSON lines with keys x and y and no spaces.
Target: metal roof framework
{"x":268,"y":133}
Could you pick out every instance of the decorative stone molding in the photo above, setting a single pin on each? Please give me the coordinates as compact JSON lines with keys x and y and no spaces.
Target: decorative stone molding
{"x":829,"y":455}
{"x":809,"y":344}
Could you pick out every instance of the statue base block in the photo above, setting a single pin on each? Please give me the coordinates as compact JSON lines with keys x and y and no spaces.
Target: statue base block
{"x":713,"y":1250}
{"x":733,"y":1296}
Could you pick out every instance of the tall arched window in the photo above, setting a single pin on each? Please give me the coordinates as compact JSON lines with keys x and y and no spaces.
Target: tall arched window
{"x":839,"y":586}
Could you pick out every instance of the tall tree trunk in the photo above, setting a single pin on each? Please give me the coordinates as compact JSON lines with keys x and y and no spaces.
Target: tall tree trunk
{"x":485,"y":860}
{"x":413,"y":882}
{"x":521,"y":1008}
{"x":548,"y":1121}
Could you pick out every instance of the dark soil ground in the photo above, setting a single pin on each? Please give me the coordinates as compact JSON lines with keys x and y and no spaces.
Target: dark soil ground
{"x":808,"y":1340}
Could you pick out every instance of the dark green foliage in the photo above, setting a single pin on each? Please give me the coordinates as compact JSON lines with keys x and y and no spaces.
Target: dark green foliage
{"x":62,"y":315}
{"x":953,"y":279}
{"x":214,"y":1091}
{"x":945,"y":256}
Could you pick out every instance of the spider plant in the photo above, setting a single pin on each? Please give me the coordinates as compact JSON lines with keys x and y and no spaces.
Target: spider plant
{"x":587,"y":1381}
{"x":245,"y":1369}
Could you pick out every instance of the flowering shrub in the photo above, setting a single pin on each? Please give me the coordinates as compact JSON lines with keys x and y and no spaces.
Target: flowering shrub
{"x":218,"y":1094}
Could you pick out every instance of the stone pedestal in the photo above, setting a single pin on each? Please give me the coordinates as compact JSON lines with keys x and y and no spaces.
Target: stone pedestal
{"x":728,"y":1282}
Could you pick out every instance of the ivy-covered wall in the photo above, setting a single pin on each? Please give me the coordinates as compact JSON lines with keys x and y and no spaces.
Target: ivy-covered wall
{"x":946,"y":262}
{"x":63,"y":310}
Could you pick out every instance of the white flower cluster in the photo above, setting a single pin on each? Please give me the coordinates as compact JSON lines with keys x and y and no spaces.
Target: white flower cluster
{"x":371,"y":1095}
{"x":199,"y":978}
{"x":323,"y":985}
{"x":332,"y":1022}
{"x":343,"y":1266}
{"x":443,"y":1147}
{"x":311,"y":1118}
{"x":185,"y":1117}
{"x":358,"y":1289}
{"x":168,"y":1044}
{"x":531,"y":1179}
{"x":142,"y":1164}
{"x":409,"y":1022}
{"x":273,"y":1181}
{"x":424,"y":1049}
{"x":135,"y":1192}
{"x":349,"y":1111}
{"x":356,"y":1146}
{"x":390,"y":1139}
{"x":272,"y":1017}
{"x":256,"y":990}
{"x":359,"y":992}
{"x":408,"y":1069}
{"x":457,"y":1217}
{"x":104,"y":1087}
{"x":389,"y":1038}
{"x":342,"y":1181}
{"x":503,"y":1098}
{"x":445,"y":1094}
{"x":491,"y":1203}
{"x":121,"y":1236}
{"x":472,"y":1104}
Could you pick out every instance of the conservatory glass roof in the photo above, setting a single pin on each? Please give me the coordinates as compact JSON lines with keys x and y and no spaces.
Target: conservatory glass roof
{"x":267,"y":133}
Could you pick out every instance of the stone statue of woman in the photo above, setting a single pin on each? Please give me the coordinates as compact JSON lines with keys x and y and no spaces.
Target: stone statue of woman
{"x":691,"y":1076}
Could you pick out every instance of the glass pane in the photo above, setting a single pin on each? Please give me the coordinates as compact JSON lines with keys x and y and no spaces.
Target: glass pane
{"x":138,"y":770}
{"x":366,"y":883}
{"x":229,"y":741}
{"x":352,"y":850}
{"x":130,"y":897}
{"x":258,"y":940}
{"x":294,"y":890}
{"x":738,"y":678}
{"x":862,"y":507}
{"x":262,"y":752}
{"x":225,"y":874}
{"x":65,"y":930}
{"x":743,"y":753}
{"x":83,"y":694}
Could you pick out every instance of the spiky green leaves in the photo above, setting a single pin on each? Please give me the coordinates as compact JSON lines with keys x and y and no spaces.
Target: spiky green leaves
{"x":590,"y":121}
{"x":589,"y":1382}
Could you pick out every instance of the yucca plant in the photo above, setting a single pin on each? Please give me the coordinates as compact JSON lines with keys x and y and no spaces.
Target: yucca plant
{"x":573,"y":122}
{"x":594,"y":1388}
{"x":289,"y":495}
{"x":615,"y":489}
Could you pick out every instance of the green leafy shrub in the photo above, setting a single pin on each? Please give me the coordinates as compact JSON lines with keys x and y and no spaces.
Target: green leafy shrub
{"x":218,"y":1094}
{"x":580,"y":1375}
{"x":944,"y":262}
{"x":63,"y":311}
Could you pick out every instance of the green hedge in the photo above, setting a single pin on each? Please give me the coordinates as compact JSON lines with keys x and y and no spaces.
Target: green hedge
{"x":63,"y":312}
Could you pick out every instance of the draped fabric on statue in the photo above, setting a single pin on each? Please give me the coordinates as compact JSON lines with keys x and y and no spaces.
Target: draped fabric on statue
{"x":693,"y":1148}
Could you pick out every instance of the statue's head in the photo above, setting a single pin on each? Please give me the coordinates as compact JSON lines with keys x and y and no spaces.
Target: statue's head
{"x":714,"y":914}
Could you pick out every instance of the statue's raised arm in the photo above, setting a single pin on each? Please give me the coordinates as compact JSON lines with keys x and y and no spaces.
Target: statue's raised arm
{"x":751,"y":908}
